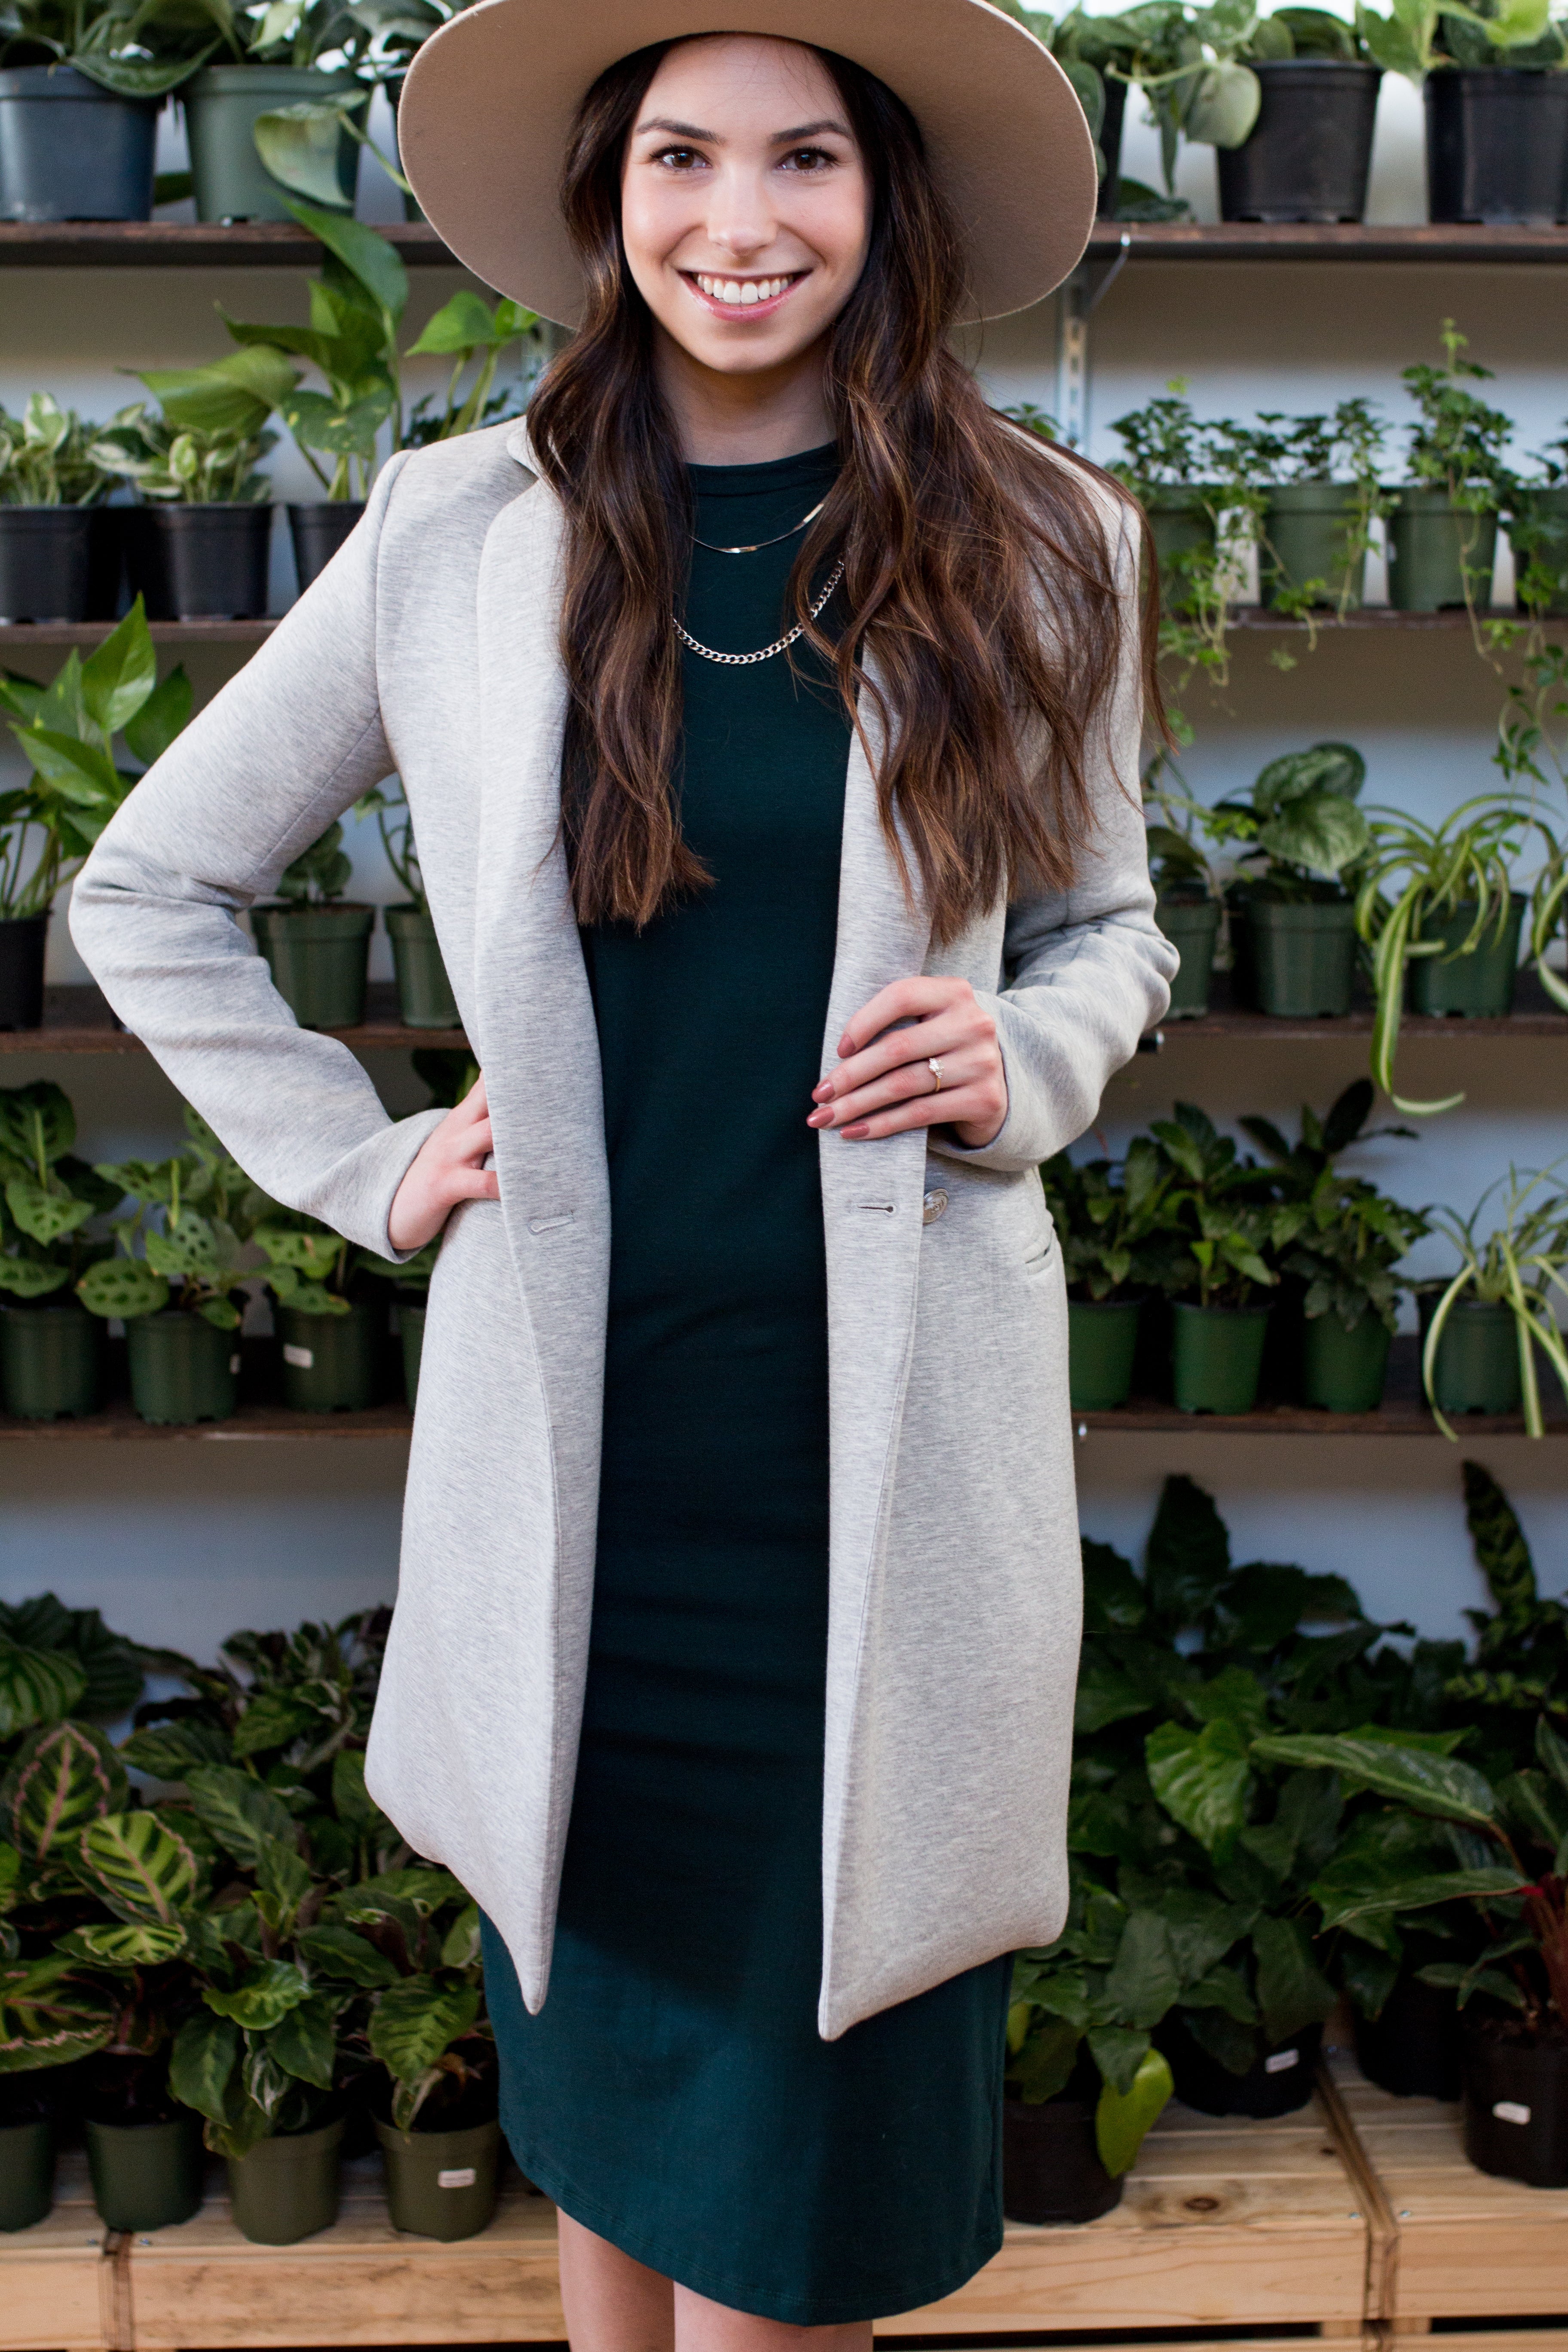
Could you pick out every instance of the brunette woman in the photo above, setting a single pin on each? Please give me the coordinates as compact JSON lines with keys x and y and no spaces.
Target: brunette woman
{"x":769,"y":713}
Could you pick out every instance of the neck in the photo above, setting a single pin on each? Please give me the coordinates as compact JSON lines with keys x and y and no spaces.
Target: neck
{"x":725,"y":419}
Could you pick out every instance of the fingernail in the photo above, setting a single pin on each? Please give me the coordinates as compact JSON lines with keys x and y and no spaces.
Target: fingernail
{"x":823,"y":1093}
{"x":846,"y":1044}
{"x":820,"y":1119}
{"x":854,"y":1134}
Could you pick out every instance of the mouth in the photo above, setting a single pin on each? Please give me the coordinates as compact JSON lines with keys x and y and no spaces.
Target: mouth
{"x":736,"y":297}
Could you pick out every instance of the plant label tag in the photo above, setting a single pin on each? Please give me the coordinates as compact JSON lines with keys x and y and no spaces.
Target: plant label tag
{"x":1281,"y":2062}
{"x":460,"y":2176}
{"x":1509,"y":2111}
{"x":234,"y":1363}
{"x":301,"y":1358}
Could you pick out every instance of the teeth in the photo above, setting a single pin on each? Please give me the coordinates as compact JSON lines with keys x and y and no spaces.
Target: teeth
{"x":741,"y":292}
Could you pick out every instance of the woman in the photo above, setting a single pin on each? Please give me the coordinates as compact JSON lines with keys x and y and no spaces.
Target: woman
{"x":769,"y":715}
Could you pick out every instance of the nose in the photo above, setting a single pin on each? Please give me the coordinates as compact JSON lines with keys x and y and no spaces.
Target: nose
{"x":741,"y":217}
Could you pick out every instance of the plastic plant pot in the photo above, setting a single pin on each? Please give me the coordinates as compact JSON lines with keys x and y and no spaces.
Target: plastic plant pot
{"x":1477,"y":1369}
{"x":51,"y":1360}
{"x":27,"y":2173}
{"x":1344,"y":1372}
{"x":211,"y":561}
{"x":23,"y":942}
{"x":317,"y":957}
{"x":1479,"y":983}
{"x":1217,"y":1356}
{"x":106,"y":560}
{"x":1278,"y":2083}
{"x":1304,"y":955}
{"x":1431,"y":546}
{"x":1538,"y":534}
{"x":1051,"y":2169}
{"x":411,"y":1336}
{"x":183,"y":1369}
{"x":1497,"y":146}
{"x":1516,"y":2106}
{"x":441,"y":2184}
{"x":70,"y":150}
{"x":1103,"y":1339}
{"x":45,"y":560}
{"x":1182,"y":525}
{"x":1412,"y":2046}
{"x":329,"y":1361}
{"x":318,"y":530}
{"x":145,"y":2176}
{"x":286,"y":2189}
{"x":221,"y":105}
{"x":1191,"y":926}
{"x":1110,"y":142}
{"x":424,"y":992}
{"x":1307,"y":527}
{"x":1306,"y":156}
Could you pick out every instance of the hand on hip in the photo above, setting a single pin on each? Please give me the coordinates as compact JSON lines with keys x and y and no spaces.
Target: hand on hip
{"x":448,"y":1167}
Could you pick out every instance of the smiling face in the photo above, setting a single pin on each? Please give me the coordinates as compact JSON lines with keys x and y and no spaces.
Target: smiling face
{"x":745,"y":204}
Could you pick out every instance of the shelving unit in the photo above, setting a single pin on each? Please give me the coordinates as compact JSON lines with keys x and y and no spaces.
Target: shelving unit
{"x":78,"y":1021}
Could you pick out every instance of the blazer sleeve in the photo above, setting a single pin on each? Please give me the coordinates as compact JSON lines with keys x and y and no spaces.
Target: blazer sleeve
{"x":1086,"y":971}
{"x":287,"y":746}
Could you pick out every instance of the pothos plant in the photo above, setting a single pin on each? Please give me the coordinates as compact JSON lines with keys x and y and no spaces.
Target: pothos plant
{"x":47,"y":457}
{"x":1418,"y":35}
{"x":192,"y":1215}
{"x":50,"y":1195}
{"x":1299,"y":833}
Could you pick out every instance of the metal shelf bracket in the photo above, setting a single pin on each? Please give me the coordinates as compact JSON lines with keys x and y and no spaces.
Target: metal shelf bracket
{"x":1079,"y":295}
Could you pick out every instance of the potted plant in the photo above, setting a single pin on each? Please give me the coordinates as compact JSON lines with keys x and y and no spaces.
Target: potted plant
{"x":1189,"y":897}
{"x":330,"y":1332}
{"x":1442,"y":521}
{"x":1538,"y":534}
{"x":65,"y":731}
{"x":50,"y":486}
{"x":1518,"y":1668}
{"x":1168,"y":466}
{"x":424,"y":992}
{"x":316,"y":942}
{"x":1497,"y":109}
{"x":1301,"y":835}
{"x":1436,"y":907}
{"x":1306,"y":156}
{"x":1098,"y":54}
{"x":1480,"y":1329}
{"x":1110,"y":1222}
{"x":81,"y":89}
{"x":1186,"y":62}
{"x":1084,"y":2081}
{"x":51,"y":1349}
{"x":274,"y":66}
{"x":1320,"y":498}
{"x":1224,"y":1211}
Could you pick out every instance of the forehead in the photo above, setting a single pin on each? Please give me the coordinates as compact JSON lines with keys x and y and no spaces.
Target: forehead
{"x":742,"y":74}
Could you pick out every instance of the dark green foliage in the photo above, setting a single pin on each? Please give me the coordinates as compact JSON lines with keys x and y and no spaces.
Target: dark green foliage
{"x":1520,"y":1669}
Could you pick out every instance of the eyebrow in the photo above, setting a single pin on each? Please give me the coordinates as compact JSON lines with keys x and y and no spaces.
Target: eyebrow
{"x":712,"y":138}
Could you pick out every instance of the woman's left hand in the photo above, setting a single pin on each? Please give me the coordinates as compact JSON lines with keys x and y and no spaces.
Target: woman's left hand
{"x":885,"y":1083}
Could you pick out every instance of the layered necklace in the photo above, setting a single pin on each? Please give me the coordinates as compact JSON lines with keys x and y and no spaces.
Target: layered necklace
{"x":779,"y":644}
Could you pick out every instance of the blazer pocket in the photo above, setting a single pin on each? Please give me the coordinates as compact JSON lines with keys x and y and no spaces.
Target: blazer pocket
{"x":1037,"y":1256}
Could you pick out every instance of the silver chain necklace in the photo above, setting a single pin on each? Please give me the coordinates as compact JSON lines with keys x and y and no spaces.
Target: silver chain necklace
{"x":761,"y":544}
{"x":779,"y":645}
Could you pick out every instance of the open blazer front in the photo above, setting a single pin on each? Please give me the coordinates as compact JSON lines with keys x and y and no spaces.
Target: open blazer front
{"x":429,"y":646}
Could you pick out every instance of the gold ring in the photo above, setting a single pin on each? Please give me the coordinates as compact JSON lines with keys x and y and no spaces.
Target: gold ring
{"x":935,"y":1070}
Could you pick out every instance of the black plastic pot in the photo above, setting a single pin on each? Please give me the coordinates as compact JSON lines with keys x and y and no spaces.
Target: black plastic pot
{"x":24,"y":939}
{"x":441,"y":2184}
{"x":1278,"y":2083}
{"x":51,"y":1359}
{"x":1344,"y":1372}
{"x":411,"y":1335}
{"x":1306,"y":156}
{"x":318,"y":530}
{"x":1432,"y":547}
{"x":183,"y":1369}
{"x":317,"y":957}
{"x":201,"y":562}
{"x":1477,"y":1369}
{"x":72,"y":151}
{"x":286,"y":2189}
{"x":1412,"y":2047}
{"x":1191,"y":926}
{"x":1516,"y":2105}
{"x":106,"y":561}
{"x":1102,"y":1341}
{"x":1303,"y":955}
{"x":1308,"y":533}
{"x":145,"y":2176}
{"x":424,"y":995}
{"x":1217,"y":1356}
{"x":1110,"y":142}
{"x":1051,"y":2169}
{"x":1479,"y":983}
{"x":1497,"y":146}
{"x":330,"y":1361}
{"x":26,"y":2172}
{"x":44,"y":557}
{"x":1537,"y":532}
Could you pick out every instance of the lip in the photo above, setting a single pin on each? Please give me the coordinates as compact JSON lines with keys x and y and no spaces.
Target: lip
{"x":732,"y":310}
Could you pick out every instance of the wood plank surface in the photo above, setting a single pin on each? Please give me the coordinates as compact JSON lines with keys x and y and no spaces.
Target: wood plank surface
{"x":77,"y":1020}
{"x":58,"y":2279}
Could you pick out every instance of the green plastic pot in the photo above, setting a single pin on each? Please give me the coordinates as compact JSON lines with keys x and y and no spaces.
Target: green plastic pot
{"x":1191,"y":926}
{"x":1478,"y":983}
{"x":1430,"y":545}
{"x":27,"y":2173}
{"x":1102,"y":1339}
{"x":441,"y":2184}
{"x":317,"y":957}
{"x":51,"y":1361}
{"x":1305,"y":526}
{"x":1344,"y":1372}
{"x":1217,"y":1355}
{"x":221,"y":105}
{"x":1477,"y":1368}
{"x":411,"y":1334}
{"x":329,"y":1361}
{"x":1182,"y":525}
{"x":286,"y":2189}
{"x":145,"y":2176}
{"x":1538,"y":533}
{"x":1303,"y":955}
{"x":424,"y":992}
{"x":183,"y":1369}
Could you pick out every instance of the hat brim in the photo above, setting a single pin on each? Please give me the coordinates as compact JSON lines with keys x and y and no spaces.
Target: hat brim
{"x":490,"y":99}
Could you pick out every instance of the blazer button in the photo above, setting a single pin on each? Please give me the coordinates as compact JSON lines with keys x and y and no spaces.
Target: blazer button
{"x":935,"y":1203}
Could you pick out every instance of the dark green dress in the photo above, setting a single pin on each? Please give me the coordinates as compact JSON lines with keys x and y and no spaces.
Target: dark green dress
{"x":673,"y":2093}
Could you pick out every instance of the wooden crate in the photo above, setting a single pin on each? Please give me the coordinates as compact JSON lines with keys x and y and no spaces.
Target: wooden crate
{"x":58,"y":2281}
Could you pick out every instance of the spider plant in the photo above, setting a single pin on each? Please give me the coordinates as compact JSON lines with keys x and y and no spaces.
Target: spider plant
{"x":1414,"y":876}
{"x":1519,"y":1264}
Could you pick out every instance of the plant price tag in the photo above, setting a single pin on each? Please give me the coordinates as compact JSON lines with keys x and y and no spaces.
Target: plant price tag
{"x":301,"y":1358}
{"x":1281,"y":2062}
{"x":460,"y":2176}
{"x":1509,"y":2111}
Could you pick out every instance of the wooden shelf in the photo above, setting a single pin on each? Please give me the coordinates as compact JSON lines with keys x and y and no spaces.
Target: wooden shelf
{"x":78,"y":1021}
{"x":118,"y":1424}
{"x":1533,"y":1016}
{"x":1381,"y":618}
{"x":20,"y":636}
{"x":1348,"y":241}
{"x":1403,"y":1413}
{"x":192,"y":244}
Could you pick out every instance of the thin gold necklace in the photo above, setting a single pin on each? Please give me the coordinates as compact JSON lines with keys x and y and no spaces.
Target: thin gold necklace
{"x":761,"y":544}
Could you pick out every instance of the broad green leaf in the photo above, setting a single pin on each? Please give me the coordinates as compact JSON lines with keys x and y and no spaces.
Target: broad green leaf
{"x":1144,"y":1979}
{"x":1230,"y":2043}
{"x":1324,"y":833}
{"x":1188,"y":1556}
{"x":1122,"y":2118}
{"x":264,"y":1996}
{"x":1437,"y":1785}
{"x":1222,"y":1988}
{"x":35,"y":1119}
{"x":320,"y":424}
{"x":45,"y":1212}
{"x":36,"y":1686}
{"x":413,"y":2022}
{"x":1340,"y":1904}
{"x":1292,"y":1991}
{"x":1233,"y":1696}
{"x":49,"y":2018}
{"x":1224,"y":106}
{"x":1202,"y":1779}
{"x":162,"y":717}
{"x":1551,"y":1749}
{"x":203,"y":2061}
{"x":189,"y":1248}
{"x":334,"y":1951}
{"x":141,"y":1870}
{"x":64,"y":1778}
{"x":144,"y":1946}
{"x":1112,"y":1594}
{"x":422,"y":1886}
{"x":83,"y":775}
{"x":351,"y":1801}
{"x":1044,"y":2065}
{"x":235,"y":394}
{"x":117,"y":680}
{"x":167,"y":1751}
{"x":363,"y":251}
{"x":272,"y":1720}
{"x":305,"y":2042}
{"x":299,"y":145}
{"x":460,"y":1948}
{"x":240,"y":1813}
{"x":125,"y":1287}
{"x":282,"y":1873}
{"x":26,"y":1277}
{"x":1118,"y":2050}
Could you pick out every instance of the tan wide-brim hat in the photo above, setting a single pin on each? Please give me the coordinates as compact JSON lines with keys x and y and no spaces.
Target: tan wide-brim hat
{"x":489,"y":104}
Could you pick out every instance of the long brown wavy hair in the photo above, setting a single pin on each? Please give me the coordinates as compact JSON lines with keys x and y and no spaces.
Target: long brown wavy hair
{"x":984,"y":627}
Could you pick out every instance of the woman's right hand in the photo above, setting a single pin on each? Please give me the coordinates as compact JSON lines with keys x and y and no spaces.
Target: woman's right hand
{"x":448,"y":1167}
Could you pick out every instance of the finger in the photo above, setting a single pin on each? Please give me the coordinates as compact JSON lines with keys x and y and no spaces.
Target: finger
{"x":910,"y":1081}
{"x":473,"y":1142}
{"x":478,"y":1097}
{"x":954,"y":1106}
{"x":471,"y":1184}
{"x":901,"y":999}
{"x":949,"y":1032}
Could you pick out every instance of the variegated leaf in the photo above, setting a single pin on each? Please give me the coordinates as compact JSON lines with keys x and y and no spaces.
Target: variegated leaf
{"x":64,"y":1777}
{"x":138,"y":1868}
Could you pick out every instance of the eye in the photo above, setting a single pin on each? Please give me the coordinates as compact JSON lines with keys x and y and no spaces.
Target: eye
{"x":808,"y":159}
{"x":678,"y":158}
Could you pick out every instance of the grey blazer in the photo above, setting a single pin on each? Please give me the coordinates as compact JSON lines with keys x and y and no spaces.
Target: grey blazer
{"x":429,"y":647}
